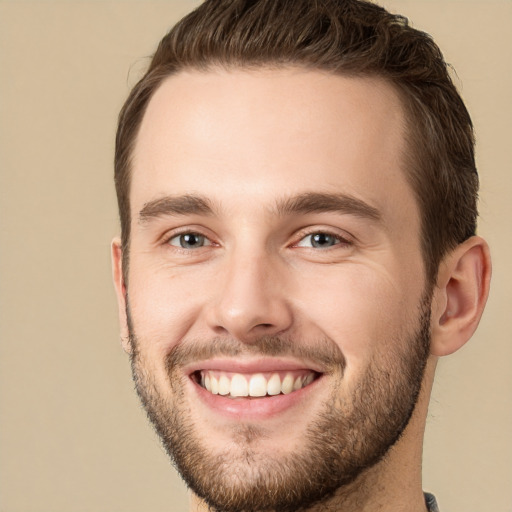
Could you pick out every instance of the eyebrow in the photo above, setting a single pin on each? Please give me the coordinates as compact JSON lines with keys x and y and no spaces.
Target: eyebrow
{"x":307,"y":202}
{"x":317,"y":202}
{"x":175,"y":206}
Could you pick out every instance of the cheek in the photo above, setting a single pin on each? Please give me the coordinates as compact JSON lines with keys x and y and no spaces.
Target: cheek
{"x":163,"y":306}
{"x":363,"y":310}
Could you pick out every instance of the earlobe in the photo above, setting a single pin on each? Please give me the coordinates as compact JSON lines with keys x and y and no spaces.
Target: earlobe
{"x":460,"y":295}
{"x":119,"y":284}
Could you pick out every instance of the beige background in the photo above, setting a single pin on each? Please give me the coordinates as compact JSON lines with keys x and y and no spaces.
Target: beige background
{"x":72,"y":435}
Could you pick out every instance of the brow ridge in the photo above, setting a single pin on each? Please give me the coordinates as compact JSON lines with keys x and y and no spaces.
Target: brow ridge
{"x":187,"y":204}
{"x":318,"y":202}
{"x":304,"y":203}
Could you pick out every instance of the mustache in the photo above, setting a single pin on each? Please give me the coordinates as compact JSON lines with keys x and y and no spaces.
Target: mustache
{"x":324,"y":352}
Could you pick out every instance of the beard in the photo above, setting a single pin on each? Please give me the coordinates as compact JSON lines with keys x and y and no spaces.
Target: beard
{"x":352,"y":432}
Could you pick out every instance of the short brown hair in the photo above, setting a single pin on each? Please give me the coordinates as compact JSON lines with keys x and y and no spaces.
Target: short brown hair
{"x":347,"y":37}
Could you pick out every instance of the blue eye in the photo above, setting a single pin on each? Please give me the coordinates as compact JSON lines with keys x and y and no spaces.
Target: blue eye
{"x":319,"y":241}
{"x":189,"y":241}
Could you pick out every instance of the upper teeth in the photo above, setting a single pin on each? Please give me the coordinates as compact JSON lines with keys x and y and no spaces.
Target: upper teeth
{"x":256,"y":385}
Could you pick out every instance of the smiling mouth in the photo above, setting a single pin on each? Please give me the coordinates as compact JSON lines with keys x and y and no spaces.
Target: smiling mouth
{"x":254,"y":385}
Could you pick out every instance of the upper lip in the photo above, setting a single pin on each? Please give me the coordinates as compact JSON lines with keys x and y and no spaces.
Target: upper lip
{"x":252,"y":365}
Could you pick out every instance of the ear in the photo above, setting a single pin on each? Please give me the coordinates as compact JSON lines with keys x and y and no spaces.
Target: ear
{"x":460,"y":295}
{"x":119,"y":284}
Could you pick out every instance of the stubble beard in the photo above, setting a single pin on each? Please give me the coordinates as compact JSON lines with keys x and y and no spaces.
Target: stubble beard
{"x":349,"y":436}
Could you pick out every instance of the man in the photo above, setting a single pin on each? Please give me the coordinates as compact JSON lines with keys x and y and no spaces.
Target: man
{"x":297,"y":192}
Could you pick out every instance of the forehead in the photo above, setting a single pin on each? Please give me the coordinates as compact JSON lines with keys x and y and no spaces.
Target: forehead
{"x":239,"y":134}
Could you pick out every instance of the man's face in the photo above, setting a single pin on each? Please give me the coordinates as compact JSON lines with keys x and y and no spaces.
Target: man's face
{"x":275,"y":252}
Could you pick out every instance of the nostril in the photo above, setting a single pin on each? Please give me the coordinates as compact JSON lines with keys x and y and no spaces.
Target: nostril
{"x":220,"y":330}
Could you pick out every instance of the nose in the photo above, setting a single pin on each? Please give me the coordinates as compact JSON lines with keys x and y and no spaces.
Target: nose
{"x":251,"y":301}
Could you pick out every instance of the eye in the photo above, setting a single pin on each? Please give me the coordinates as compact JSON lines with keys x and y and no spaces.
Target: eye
{"x":189,"y":241}
{"x":321,"y":240}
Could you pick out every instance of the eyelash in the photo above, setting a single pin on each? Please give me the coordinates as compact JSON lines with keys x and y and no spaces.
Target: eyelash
{"x":167,"y":240}
{"x":340,"y":241}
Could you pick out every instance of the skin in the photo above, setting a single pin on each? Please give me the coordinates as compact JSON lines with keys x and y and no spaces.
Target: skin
{"x":246,"y":141}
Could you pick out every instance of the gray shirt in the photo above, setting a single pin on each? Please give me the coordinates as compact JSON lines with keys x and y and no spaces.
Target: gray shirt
{"x":431,"y":502}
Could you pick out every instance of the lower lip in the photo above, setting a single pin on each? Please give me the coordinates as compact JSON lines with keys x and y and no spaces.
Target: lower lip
{"x":254,"y":408}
